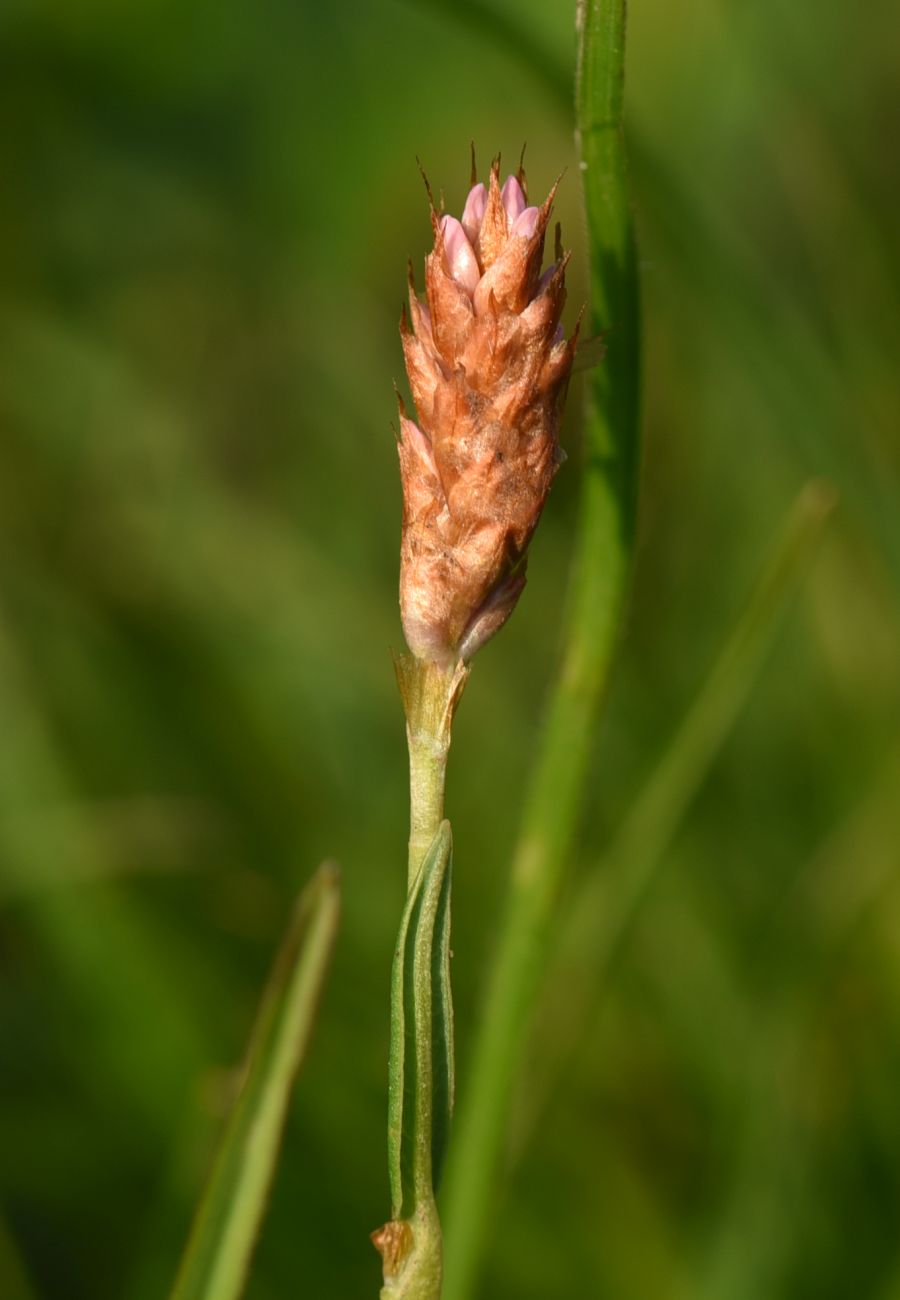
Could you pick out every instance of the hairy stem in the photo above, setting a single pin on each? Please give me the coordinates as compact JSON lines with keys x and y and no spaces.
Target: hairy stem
{"x":601,"y":570}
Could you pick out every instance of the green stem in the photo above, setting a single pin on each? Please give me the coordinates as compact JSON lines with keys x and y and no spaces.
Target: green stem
{"x":601,"y":570}
{"x":421,"y":1067}
{"x":430,"y":696}
{"x":427,"y":773}
{"x":606,"y":904}
{"x":413,"y":1257}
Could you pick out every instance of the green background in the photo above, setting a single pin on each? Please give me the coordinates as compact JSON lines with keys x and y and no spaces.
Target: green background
{"x":205,"y":215}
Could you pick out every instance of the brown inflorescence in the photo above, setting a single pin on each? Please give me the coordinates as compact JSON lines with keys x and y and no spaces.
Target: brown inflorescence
{"x":488,"y":365}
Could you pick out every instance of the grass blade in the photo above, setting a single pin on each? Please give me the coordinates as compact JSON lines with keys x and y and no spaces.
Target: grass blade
{"x":604,"y":909}
{"x":600,"y":577}
{"x":215,"y":1263}
{"x":652,"y":822}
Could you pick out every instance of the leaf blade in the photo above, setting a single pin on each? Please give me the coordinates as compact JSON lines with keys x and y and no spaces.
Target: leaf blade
{"x":608,"y":901}
{"x":223,"y":1235}
{"x":421,"y":1056}
{"x":600,"y":578}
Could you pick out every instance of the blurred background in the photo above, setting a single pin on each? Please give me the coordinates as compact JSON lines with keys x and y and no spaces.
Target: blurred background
{"x":205,"y":215}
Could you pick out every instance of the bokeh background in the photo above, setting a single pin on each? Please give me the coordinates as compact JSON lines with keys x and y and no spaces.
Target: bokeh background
{"x":205,"y":215}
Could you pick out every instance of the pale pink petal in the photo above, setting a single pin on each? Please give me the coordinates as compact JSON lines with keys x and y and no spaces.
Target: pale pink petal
{"x":526,"y":223}
{"x":513,"y":199}
{"x":473,"y":212}
{"x":460,"y":254}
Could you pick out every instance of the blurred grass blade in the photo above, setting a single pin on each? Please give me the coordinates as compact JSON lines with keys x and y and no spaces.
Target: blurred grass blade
{"x":14,"y":1281}
{"x":601,"y":572}
{"x":84,"y":934}
{"x":508,"y":31}
{"x":653,"y":819}
{"x":221,"y":1244}
{"x":604,"y":909}
{"x":421,"y":1062}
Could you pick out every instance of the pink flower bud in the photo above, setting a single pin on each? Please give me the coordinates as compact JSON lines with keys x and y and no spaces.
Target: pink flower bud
{"x":473,"y":212}
{"x":526,"y":222}
{"x":460,"y":254}
{"x":513,"y":198}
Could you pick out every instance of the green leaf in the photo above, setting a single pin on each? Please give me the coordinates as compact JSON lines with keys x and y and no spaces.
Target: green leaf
{"x":601,"y":570}
{"x":609,"y":901}
{"x":218,"y":1253}
{"x":420,"y":1086}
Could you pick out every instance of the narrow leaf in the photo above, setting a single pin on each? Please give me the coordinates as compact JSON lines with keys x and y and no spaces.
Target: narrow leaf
{"x":598,"y":922}
{"x":217,"y":1258}
{"x":609,"y":901}
{"x":421,"y":1058}
{"x":599,"y":582}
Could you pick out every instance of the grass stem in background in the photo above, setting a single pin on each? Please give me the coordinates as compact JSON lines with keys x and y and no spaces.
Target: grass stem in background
{"x":600,"y":924}
{"x":604,"y":908}
{"x":602,"y":566}
{"x":224,"y":1233}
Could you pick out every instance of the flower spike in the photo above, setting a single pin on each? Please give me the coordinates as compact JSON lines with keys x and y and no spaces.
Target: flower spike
{"x":488,"y":366}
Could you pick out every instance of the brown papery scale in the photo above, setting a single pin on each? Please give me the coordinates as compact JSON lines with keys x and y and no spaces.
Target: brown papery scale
{"x":488,"y":365}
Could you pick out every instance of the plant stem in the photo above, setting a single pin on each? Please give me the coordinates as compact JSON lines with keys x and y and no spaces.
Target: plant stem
{"x":430,"y":696}
{"x":421,"y":1065}
{"x":608,"y":901}
{"x":601,"y":570}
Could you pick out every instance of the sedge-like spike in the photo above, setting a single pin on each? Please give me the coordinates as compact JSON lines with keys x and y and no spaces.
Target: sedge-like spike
{"x":488,"y":366}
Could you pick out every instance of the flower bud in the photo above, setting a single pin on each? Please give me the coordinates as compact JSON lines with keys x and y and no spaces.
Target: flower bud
{"x":488,"y":365}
